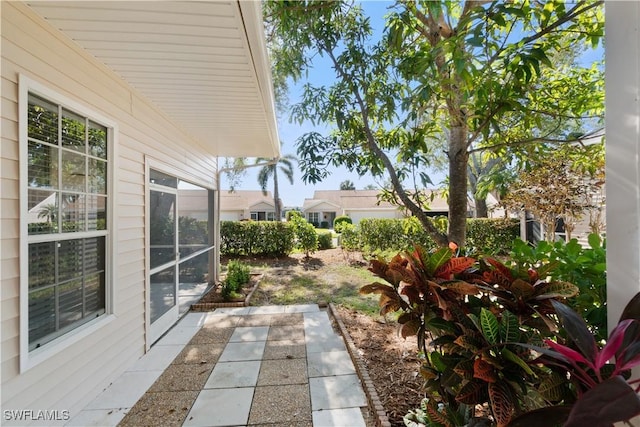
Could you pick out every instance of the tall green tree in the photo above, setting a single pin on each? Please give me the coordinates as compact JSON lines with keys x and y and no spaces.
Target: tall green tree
{"x":285,"y":165}
{"x":475,"y":74}
{"x":347,"y":185}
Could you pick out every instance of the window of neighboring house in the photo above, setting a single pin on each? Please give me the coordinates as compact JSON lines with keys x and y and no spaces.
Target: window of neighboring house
{"x":314,"y":217}
{"x":67,"y":166}
{"x":263,"y":216}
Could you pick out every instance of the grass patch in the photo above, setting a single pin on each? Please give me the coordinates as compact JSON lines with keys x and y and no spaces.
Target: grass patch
{"x":335,"y":283}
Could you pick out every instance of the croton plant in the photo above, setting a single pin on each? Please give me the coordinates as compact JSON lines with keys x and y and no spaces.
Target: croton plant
{"x":500,"y":347}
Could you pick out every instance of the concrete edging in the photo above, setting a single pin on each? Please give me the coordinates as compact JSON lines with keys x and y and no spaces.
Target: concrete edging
{"x":379,"y":414}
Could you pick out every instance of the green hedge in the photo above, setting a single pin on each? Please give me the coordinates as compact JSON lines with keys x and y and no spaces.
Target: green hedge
{"x":492,"y":236}
{"x":268,"y":238}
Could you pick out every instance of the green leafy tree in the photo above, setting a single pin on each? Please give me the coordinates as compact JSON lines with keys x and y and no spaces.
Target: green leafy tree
{"x":283,"y":164}
{"x":463,"y":72}
{"x":347,"y":185}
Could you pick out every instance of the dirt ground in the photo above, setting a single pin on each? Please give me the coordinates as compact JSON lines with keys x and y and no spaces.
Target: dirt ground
{"x":391,"y":360}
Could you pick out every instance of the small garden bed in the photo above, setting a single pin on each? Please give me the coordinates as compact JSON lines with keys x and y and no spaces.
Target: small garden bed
{"x":215,"y":299}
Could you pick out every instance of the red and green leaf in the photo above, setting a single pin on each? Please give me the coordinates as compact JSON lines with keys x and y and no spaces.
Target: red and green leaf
{"x":473,"y":392}
{"x":502,"y":404}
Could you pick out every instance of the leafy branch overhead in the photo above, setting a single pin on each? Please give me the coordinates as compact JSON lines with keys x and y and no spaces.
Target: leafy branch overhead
{"x":476,"y":75}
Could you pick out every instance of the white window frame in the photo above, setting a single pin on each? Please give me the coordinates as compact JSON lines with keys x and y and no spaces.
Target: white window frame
{"x":313,"y":217}
{"x":29,"y":359}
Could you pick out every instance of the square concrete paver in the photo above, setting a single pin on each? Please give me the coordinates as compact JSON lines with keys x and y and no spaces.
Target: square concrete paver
{"x":240,"y":351}
{"x":267,"y":309}
{"x":330,"y":363}
{"x":250,"y":333}
{"x":286,"y":319}
{"x":286,"y":332}
{"x":342,"y":391}
{"x":319,"y":344}
{"x":234,"y":374}
{"x":301,"y":308}
{"x":182,"y":377}
{"x":286,"y":349}
{"x":221,"y":321}
{"x":125,"y":391}
{"x":220,"y":407}
{"x":348,"y":417}
{"x":199,"y":354}
{"x":283,"y":405}
{"x":255,"y":320}
{"x":169,"y":408}
{"x":283,"y":371}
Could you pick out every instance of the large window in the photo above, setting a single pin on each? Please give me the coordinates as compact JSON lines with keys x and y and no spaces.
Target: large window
{"x":67,"y":181}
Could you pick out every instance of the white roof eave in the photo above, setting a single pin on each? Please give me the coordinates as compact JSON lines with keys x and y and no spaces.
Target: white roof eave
{"x":203,"y":64}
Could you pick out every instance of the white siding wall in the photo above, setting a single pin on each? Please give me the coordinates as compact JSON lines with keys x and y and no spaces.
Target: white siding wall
{"x":357,"y":215}
{"x":623,"y":154}
{"x":71,"y":378}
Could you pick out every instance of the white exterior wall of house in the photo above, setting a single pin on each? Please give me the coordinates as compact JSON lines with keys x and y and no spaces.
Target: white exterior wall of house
{"x":622,"y":57}
{"x":357,"y":215}
{"x":69,"y":378}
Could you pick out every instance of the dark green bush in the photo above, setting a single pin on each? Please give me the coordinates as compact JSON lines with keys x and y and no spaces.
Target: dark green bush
{"x":325,"y":240}
{"x":492,"y":235}
{"x":269,"y":238}
{"x":237,"y":275}
{"x":350,"y":238}
{"x":584,"y":267}
{"x":305,"y":234}
{"x":339,"y":221}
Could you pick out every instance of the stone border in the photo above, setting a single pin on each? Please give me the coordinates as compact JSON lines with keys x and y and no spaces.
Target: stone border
{"x":380,"y":415}
{"x":209,"y":306}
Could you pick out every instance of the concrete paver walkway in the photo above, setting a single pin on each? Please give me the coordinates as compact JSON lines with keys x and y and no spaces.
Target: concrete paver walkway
{"x":250,"y":366}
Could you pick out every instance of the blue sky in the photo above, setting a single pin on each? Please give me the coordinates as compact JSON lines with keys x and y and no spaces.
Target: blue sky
{"x":294,"y":195}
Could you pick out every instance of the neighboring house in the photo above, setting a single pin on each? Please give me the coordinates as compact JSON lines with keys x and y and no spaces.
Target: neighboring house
{"x":112,"y":112}
{"x":326,"y":205}
{"x":246,"y":204}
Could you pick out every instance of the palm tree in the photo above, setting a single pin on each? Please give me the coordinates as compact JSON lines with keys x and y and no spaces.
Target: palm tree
{"x":285,"y":165}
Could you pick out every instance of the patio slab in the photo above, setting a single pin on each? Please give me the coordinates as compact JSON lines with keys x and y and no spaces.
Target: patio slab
{"x":220,"y":407}
{"x":337,"y":392}
{"x":234,"y":374}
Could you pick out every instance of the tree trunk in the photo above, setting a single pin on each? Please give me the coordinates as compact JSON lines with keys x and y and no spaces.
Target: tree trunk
{"x":458,"y":165}
{"x":276,"y":194}
{"x":482,"y":211}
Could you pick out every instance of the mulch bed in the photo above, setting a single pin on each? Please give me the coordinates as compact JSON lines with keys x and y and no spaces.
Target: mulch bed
{"x":214,"y":299}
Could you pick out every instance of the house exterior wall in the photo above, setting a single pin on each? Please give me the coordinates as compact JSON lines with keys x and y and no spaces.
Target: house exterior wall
{"x":72,"y":377}
{"x":233,"y":215}
{"x":357,"y":215}
{"x":622,"y":84}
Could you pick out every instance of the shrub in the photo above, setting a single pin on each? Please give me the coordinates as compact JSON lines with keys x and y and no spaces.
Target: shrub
{"x":474,"y":314}
{"x":584,"y":267}
{"x":491,"y":236}
{"x":339,"y":221}
{"x":237,"y":276}
{"x":325,"y":240}
{"x":271,"y":238}
{"x":350,"y":238}
{"x":305,"y":235}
